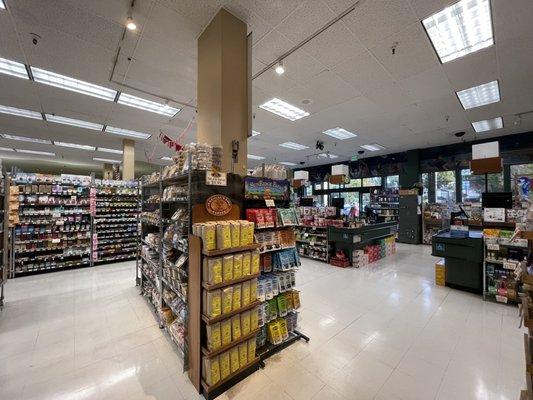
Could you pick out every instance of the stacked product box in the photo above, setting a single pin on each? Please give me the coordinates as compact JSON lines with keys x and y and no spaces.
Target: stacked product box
{"x":372,"y":253}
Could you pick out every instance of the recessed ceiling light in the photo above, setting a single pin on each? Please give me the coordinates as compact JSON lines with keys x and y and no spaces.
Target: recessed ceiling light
{"x":74,"y":85}
{"x":20,"y":112}
{"x":105,"y":150}
{"x":294,"y":146}
{"x":127,"y":132}
{"x":252,"y":157}
{"x":280,"y":69}
{"x":460,"y":29}
{"x":25,"y":139}
{"x":284,"y":109}
{"x":372,"y":147}
{"x":73,"y":122}
{"x":42,"y":153}
{"x":107,"y":160}
{"x":290,"y":164}
{"x":255,"y":133}
{"x":147,"y":105}
{"x":328,"y":155}
{"x":75,"y":146}
{"x":481,"y":95}
{"x":2,"y":5}
{"x":130,"y":24}
{"x":488,"y":124}
{"x":6,"y":149}
{"x":13,"y":68}
{"x":166,"y":158}
{"x":339,"y":133}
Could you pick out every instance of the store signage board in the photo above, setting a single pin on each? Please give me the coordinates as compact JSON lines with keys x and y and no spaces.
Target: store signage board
{"x":216,"y":178}
{"x":485,"y":150}
{"x":218,"y":205}
{"x":270,"y":203}
{"x":265,"y":188}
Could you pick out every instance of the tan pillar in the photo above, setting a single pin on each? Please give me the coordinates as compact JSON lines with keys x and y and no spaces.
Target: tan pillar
{"x":223,"y":87}
{"x":108,"y":171}
{"x":128,"y":159}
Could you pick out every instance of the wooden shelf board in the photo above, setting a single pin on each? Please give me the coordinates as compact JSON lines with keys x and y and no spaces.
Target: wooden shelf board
{"x":222,"y":317}
{"x":208,"y":287}
{"x":209,"y":389}
{"x":526,"y":235}
{"x":213,"y":253}
{"x":222,"y":349}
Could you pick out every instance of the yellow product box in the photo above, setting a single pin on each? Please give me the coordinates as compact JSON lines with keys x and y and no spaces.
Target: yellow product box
{"x":245,"y":323}
{"x":256,"y":262}
{"x":237,"y":295}
{"x":235,"y":233}
{"x":227,"y":300}
{"x":246,"y":263}
{"x":237,"y":266}
{"x":214,"y":339}
{"x":225,"y":365}
{"x":212,"y":303}
{"x":234,"y":359}
{"x":211,"y":370}
{"x":227,"y":268}
{"x":251,"y":349}
{"x":274,"y":333}
{"x":236,"y":327}
{"x":245,"y":296}
{"x":440,"y":273}
{"x":225,"y":330}
{"x":254,"y":318}
{"x":223,"y":235}
{"x":253,"y":290}
{"x":283,"y":328}
{"x":243,"y":354}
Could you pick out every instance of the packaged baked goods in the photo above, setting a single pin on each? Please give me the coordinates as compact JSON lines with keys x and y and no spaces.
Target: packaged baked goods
{"x":243,"y":354}
{"x":283,"y":328}
{"x":212,"y":270}
{"x":274,"y":333}
{"x":245,"y":295}
{"x":211,"y":370}
{"x":209,"y":236}
{"x":225,"y":365}
{"x":227,"y":300}
{"x":225,"y":329}
{"x":246,"y":263}
{"x":227,"y":268}
{"x":237,"y":266}
{"x":247,"y":233}
{"x":254,"y":319}
{"x":255,"y":262}
{"x":234,"y":359}
{"x":214,"y":340}
{"x":235,"y":233}
{"x":223,"y":235}
{"x":251,"y":349}
{"x":245,"y":323}
{"x":236,"y":327}
{"x":237,"y":296}
{"x":213,"y":303}
{"x":253,"y":290}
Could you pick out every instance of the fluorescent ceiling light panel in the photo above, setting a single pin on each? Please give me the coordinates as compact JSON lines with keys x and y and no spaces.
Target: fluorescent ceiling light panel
{"x":290,"y":164}
{"x":372,"y":147}
{"x":328,"y":155}
{"x":255,"y":133}
{"x":75,"y":146}
{"x":294,"y":146}
{"x":166,"y":158}
{"x":42,"y":153}
{"x":6,"y":149}
{"x":460,"y":29}
{"x":107,"y":160}
{"x":74,"y":85}
{"x":25,"y":139}
{"x":2,"y":5}
{"x":481,"y":95}
{"x":284,"y":109}
{"x":339,"y":133}
{"x":252,"y":157}
{"x":488,"y":124}
{"x":73,"y":122}
{"x":126,"y":132}
{"x":20,"y":112}
{"x":147,"y":105}
{"x":105,"y":150}
{"x":13,"y":68}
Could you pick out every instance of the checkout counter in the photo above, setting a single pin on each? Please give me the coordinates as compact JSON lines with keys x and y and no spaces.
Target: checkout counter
{"x":463,"y":256}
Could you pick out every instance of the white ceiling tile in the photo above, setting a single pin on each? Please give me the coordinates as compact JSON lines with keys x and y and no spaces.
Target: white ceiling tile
{"x":198,"y":11}
{"x":373,"y":22}
{"x":272,"y":11}
{"x":272,"y":83}
{"x":330,"y":89}
{"x":257,"y":26}
{"x":257,"y":65}
{"x":430,"y":84}
{"x":271,"y":47}
{"x":301,"y":67}
{"x":339,"y":6}
{"x":19,"y":93}
{"x":390,"y":98}
{"x":475,"y":69}
{"x":413,"y":53}
{"x":9,"y":47}
{"x":305,"y":20}
{"x":425,"y":8}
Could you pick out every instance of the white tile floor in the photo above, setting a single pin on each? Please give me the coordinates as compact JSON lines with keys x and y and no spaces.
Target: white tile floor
{"x":380,"y":332}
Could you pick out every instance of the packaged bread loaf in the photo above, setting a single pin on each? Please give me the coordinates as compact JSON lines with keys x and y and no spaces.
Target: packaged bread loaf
{"x":213,"y":303}
{"x":254,"y":318}
{"x":253,"y":290}
{"x":245,"y":323}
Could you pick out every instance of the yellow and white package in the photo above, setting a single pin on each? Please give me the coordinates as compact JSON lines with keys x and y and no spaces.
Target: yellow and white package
{"x":234,"y":359}
{"x":237,"y":266}
{"x":254,"y":319}
{"x":214,"y":339}
{"x":225,"y":365}
{"x":235,"y":233}
{"x":211,"y":370}
{"x":251,"y":349}
{"x":253,"y":290}
{"x":243,"y":354}
{"x":245,"y":296}
{"x":236,"y":327}
{"x":247,"y":233}
{"x":283,"y":328}
{"x":256,"y":262}
{"x":212,"y":303}
{"x":212,"y":270}
{"x":246,"y":263}
{"x":208,"y":233}
{"x":227,"y":268}
{"x":237,"y":296}
{"x":223,"y":235}
{"x":274,"y":333}
{"x":227,"y":300}
{"x":225,"y":330}
{"x":245,"y":323}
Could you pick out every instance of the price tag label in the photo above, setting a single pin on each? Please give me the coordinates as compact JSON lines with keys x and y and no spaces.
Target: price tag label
{"x":270,"y":203}
{"x":73,"y":198}
{"x":56,"y":215}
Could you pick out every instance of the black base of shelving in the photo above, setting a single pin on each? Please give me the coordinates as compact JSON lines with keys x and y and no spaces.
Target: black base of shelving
{"x":103,"y":262}
{"x":47,"y":271}
{"x":270,"y":349}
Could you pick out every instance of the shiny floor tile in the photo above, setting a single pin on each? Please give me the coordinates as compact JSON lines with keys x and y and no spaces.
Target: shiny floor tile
{"x":384,"y":331}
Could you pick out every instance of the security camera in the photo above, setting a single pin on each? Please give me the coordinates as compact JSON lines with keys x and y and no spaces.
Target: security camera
{"x":319,"y":145}
{"x":361,"y":152}
{"x":459,"y":134}
{"x":35,"y":38}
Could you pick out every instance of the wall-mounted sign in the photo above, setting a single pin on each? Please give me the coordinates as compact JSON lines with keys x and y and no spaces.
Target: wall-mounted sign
{"x":216,"y":178}
{"x":264,"y":188}
{"x":218,"y":205}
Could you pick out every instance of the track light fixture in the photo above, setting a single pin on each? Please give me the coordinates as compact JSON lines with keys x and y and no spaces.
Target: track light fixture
{"x":280,"y":70}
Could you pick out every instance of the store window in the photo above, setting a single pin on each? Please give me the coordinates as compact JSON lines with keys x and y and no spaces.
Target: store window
{"x":392,"y":181}
{"x":354,"y":183}
{"x":425,"y":187}
{"x":521,"y":178}
{"x":373,"y":181}
{"x":351,"y":199}
{"x":472,"y":186}
{"x":308,"y":190}
{"x":445,"y":187}
{"x":365,"y":199}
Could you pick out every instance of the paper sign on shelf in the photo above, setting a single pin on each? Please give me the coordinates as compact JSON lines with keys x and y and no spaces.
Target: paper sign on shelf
{"x":270,"y":203}
{"x":216,"y":178}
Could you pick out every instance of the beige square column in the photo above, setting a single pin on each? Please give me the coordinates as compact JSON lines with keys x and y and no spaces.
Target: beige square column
{"x":223,"y":87}
{"x":128,"y":159}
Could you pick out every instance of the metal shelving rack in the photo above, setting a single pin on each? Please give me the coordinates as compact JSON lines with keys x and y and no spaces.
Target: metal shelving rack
{"x":4,"y":192}
{"x":316,"y":232}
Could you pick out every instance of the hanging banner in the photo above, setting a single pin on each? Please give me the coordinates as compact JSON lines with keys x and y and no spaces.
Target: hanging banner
{"x":265,"y":188}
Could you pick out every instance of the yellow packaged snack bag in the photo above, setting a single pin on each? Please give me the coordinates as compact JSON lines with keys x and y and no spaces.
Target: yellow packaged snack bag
{"x":213,"y":303}
{"x":237,"y":291}
{"x":253,"y":290}
{"x":214,"y":339}
{"x":243,"y":354}
{"x":245,"y":296}
{"x":254,"y":319}
{"x":246,"y":263}
{"x":252,"y":343}
{"x":235,"y":233}
{"x":283,"y":328}
{"x":236,"y":327}
{"x":212,"y":370}
{"x":223,"y":235}
{"x":227,"y":300}
{"x":225,"y":329}
{"x":256,"y":262}
{"x":209,"y":236}
{"x":227,"y":268}
{"x":234,"y":359}
{"x":274,"y":333}
{"x":245,"y":323}
{"x":237,"y":266}
{"x":212,"y":271}
{"x":225,"y":366}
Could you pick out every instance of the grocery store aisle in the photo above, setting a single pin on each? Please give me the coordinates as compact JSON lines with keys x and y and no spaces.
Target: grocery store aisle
{"x":379,"y":332}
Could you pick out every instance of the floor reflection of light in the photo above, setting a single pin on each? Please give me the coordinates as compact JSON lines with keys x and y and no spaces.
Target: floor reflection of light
{"x":326,"y":321}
